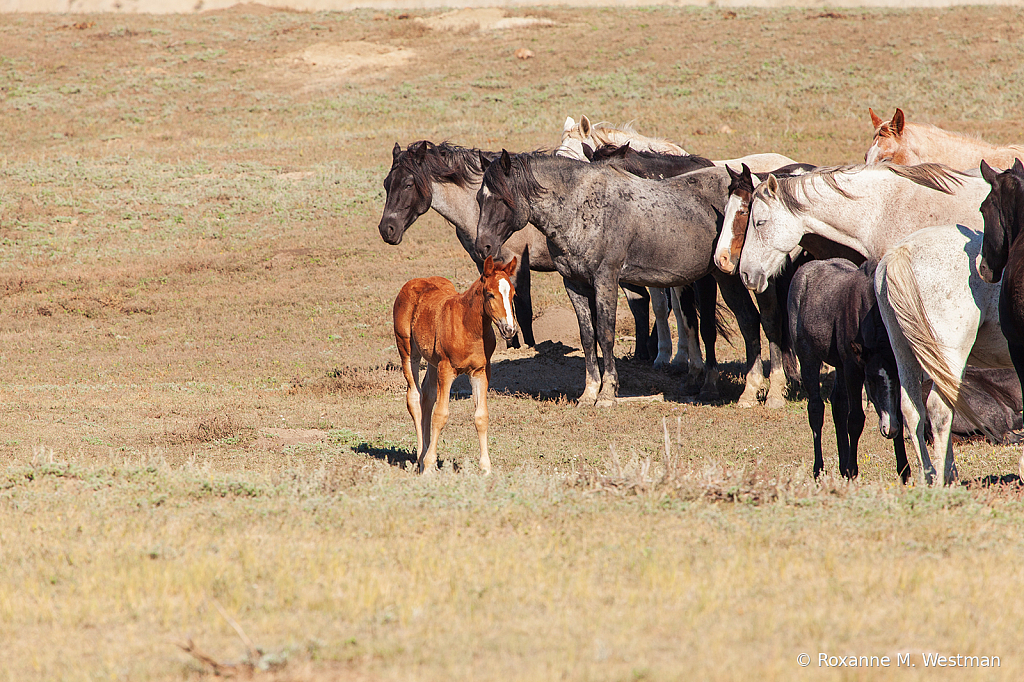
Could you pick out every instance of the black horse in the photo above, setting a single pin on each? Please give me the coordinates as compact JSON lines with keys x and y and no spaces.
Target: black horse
{"x":605,"y":225}
{"x":834,"y":319}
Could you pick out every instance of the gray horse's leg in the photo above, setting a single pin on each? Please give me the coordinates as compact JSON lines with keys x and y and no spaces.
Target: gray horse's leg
{"x":581,"y":297}
{"x":523,"y":302}
{"x":707,"y":295}
{"x":606,"y":300}
{"x":749,"y":320}
{"x":772,"y":319}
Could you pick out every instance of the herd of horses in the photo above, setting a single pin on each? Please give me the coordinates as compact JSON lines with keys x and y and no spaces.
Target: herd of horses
{"x":904,"y":273}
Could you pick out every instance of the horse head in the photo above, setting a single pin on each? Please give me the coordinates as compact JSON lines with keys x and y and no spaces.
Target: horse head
{"x":499,"y":291}
{"x":774,"y":230}
{"x":504,"y":195}
{"x":1003,"y":212}
{"x":407,"y":191}
{"x":575,"y":138}
{"x":734,"y":225}
{"x":873,"y":352}
{"x":889,"y":143}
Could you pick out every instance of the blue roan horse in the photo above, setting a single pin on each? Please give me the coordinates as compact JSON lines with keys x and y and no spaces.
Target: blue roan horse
{"x":604,"y":226}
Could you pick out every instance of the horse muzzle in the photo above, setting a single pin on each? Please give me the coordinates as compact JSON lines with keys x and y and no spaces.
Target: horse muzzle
{"x":391,"y":231}
{"x":986,"y":273}
{"x":507,"y":331}
{"x":887,"y":426}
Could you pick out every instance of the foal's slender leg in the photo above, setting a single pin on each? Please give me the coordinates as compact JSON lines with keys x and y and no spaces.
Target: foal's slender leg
{"x":738,"y":299}
{"x":810,"y":377}
{"x":581,"y":296}
{"x":638,"y":301}
{"x":660,"y":304}
{"x":439,"y":415}
{"x":479,"y":381}
{"x":900,"y":449}
{"x":772,"y":320}
{"x":855,"y":417}
{"x":606,"y":301}
{"x":411,"y":370}
{"x":428,"y":397}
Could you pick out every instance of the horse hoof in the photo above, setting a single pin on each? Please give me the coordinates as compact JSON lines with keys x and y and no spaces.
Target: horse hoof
{"x":746,"y":402}
{"x":775,"y":402}
{"x":660,"y":364}
{"x":605,"y":402}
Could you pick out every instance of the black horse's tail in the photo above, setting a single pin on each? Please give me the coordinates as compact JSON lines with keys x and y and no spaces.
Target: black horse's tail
{"x":790,"y":363}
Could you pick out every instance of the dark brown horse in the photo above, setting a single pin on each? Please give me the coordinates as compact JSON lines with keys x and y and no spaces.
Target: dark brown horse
{"x":453,"y":333}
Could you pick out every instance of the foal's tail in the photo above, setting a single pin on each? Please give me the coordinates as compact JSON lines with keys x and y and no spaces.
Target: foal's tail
{"x":904,"y":296}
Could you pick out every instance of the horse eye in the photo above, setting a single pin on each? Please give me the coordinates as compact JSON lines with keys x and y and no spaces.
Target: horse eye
{"x":759,"y":223}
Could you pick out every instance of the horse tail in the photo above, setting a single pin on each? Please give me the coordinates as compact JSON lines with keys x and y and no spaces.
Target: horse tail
{"x":905,"y":299}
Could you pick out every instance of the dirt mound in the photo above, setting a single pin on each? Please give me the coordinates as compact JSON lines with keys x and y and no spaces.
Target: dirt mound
{"x":324,"y":64}
{"x":489,"y":19}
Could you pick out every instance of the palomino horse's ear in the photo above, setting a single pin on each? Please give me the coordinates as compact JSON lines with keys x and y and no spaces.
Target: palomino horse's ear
{"x":896,"y":124}
{"x":989,"y":173}
{"x":876,"y":120}
{"x":506,"y":162}
{"x":488,"y":267}
{"x":588,"y":152}
{"x":569,"y":124}
{"x":585,"y":125}
{"x":1018,"y":167}
{"x":773,"y":184}
{"x":396,"y":152}
{"x":484,"y":162}
{"x":510,"y":266}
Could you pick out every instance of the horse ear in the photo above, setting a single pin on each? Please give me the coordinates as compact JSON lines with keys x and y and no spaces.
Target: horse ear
{"x":396,"y":152}
{"x":585,"y":125}
{"x":876,"y":120}
{"x":506,"y":162}
{"x":990,"y":174}
{"x":510,"y":266}
{"x":746,"y":171}
{"x":733,"y":175}
{"x":569,"y":124}
{"x":484,"y":162}
{"x":896,"y":124}
{"x":488,"y":266}
{"x":773,"y":184}
{"x":1018,"y":167}
{"x":588,"y":152}
{"x":419,"y":150}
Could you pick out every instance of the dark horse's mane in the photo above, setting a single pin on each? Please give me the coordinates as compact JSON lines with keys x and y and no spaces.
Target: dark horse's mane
{"x":427,"y":162}
{"x":931,"y":175}
{"x":518,"y":179}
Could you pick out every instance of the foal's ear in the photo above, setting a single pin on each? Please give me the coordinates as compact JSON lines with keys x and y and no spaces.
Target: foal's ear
{"x":488,"y":266}
{"x":569,"y":124}
{"x":585,"y":125}
{"x":896,"y":124}
{"x":510,"y":266}
{"x":396,"y":152}
{"x":989,"y":173}
{"x":506,"y":162}
{"x":876,"y":120}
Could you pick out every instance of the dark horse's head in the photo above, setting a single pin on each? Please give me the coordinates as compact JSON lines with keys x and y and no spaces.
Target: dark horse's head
{"x":508,"y":187}
{"x":873,"y":352}
{"x":408,"y":185}
{"x":1003,"y":211}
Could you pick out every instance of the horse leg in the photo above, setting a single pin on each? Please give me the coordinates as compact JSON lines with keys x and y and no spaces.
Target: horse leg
{"x":660,"y":303}
{"x":428,"y":398}
{"x":479,"y":380}
{"x":638,"y":301}
{"x":738,"y":299}
{"x":581,"y":295}
{"x":687,"y":321}
{"x":940,"y":414}
{"x":523,"y":302}
{"x":900,"y":449}
{"x":772,"y":320}
{"x":605,"y":302}
{"x":411,"y":370}
{"x":707,"y":297}
{"x":810,"y":376}
{"x":848,"y":416}
{"x":439,"y":415}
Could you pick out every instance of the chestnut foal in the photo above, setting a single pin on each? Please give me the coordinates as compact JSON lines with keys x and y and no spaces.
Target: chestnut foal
{"x":453,"y":333}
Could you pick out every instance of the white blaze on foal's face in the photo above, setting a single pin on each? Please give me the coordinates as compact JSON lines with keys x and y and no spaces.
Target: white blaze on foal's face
{"x":506,"y":290}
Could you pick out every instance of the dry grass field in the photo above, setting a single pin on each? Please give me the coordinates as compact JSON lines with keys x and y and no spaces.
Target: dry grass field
{"x":203,"y":434}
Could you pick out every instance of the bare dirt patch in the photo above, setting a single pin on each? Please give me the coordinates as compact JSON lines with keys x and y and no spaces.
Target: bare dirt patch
{"x":486,"y":19}
{"x":325,"y":64}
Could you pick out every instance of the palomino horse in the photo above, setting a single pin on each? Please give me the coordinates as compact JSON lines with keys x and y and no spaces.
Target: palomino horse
{"x":897,"y":141}
{"x":940,"y":315}
{"x":446,"y":177}
{"x":453,"y":333}
{"x":866,"y":209}
{"x":577,"y":136}
{"x":605,"y":226}
{"x":1003,"y":253}
{"x":834,"y":319}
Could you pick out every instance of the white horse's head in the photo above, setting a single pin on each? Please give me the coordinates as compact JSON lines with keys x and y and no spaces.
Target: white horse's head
{"x":734,"y":226}
{"x":574,"y":136}
{"x":774,"y":230}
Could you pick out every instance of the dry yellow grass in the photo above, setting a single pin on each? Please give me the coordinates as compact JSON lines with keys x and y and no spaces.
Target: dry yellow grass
{"x":197,"y":407}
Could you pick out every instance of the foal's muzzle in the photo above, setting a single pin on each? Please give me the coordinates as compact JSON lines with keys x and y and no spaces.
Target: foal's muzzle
{"x":507,"y":331}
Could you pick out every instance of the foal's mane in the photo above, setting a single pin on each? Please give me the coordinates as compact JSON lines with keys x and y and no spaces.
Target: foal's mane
{"x":445,"y":162}
{"x":519,"y":181}
{"x":931,"y":175}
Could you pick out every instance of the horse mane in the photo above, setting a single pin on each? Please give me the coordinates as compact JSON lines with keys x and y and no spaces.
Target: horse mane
{"x":445,"y":162}
{"x":520,"y":179}
{"x":931,"y":175}
{"x":605,"y":133}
